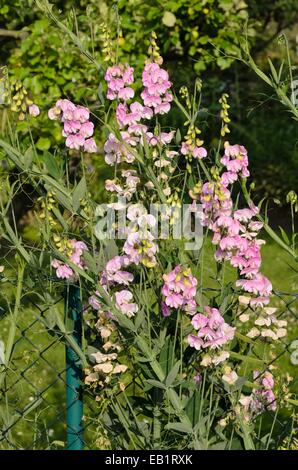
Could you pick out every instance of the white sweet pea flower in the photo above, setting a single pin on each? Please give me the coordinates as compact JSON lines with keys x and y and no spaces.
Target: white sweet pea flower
{"x":135,"y":211}
{"x":253,"y":333}
{"x":206,"y":361}
{"x":244,"y":317}
{"x":146,"y":220}
{"x":230,"y":376}
{"x":223,"y":356}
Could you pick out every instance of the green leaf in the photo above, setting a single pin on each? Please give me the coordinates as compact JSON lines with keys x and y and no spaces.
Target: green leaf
{"x":28,"y":157}
{"x":219,"y":446}
{"x":173,"y":374}
{"x":58,"y":215}
{"x":139,"y":318}
{"x":51,"y":165}
{"x":124,"y":321}
{"x":280,"y":71}
{"x":79,"y":194}
{"x":223,"y":63}
{"x":166,"y":355}
{"x":180,"y":427}
{"x":32,"y":406}
{"x":68,"y":337}
{"x":43,"y":143}
{"x":61,"y":198}
{"x":110,"y":249}
{"x":244,"y":338}
{"x":90,"y":262}
{"x":284,"y":235}
{"x":193,"y":407}
{"x":12,"y":237}
{"x":273,"y":71}
{"x":156,"y":383}
{"x":58,"y":443}
{"x":293,"y":402}
{"x":178,"y":137}
{"x":50,"y":319}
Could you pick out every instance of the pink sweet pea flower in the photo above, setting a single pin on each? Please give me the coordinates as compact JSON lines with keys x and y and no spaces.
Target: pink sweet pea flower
{"x":162,"y":108}
{"x":34,"y":110}
{"x":71,"y":127}
{"x":54,"y":113}
{"x":199,"y":321}
{"x":199,"y":152}
{"x":126,"y":94}
{"x":165,"y":310}
{"x":63,"y":271}
{"x":123,"y":303}
{"x":94,"y":301}
{"x":81,"y":114}
{"x":195,"y":342}
{"x":74,"y":141}
{"x":86,"y":129}
{"x":90,"y":145}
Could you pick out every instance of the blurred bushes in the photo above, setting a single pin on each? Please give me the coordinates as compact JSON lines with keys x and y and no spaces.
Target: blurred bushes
{"x":191,"y":34}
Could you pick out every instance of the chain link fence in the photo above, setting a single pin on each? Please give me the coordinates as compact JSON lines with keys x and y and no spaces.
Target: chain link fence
{"x":33,"y":411}
{"x":41,"y":406}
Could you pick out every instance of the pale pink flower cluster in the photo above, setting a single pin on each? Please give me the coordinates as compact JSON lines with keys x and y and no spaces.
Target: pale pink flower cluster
{"x":77,"y":128}
{"x":198,"y":378}
{"x":94,"y":301}
{"x":127,"y":189}
{"x":141,"y":250}
{"x":216,"y":201}
{"x":163,"y":138}
{"x":235,"y":160}
{"x":262,"y":398}
{"x":63,"y":270}
{"x":113,"y":275}
{"x":140,"y":246}
{"x":156,"y":85}
{"x":212,"y":330}
{"x":119,"y":151}
{"x":113,"y":272}
{"x":129,"y":116}
{"x":117,"y":78}
{"x":179,"y":290}
{"x":236,"y":232}
{"x":105,"y":366}
{"x":238,"y":243}
{"x":198,"y":153}
{"x":123,"y":299}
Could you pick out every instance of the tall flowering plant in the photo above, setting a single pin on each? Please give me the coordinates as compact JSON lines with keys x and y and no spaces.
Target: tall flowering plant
{"x":172,"y":358}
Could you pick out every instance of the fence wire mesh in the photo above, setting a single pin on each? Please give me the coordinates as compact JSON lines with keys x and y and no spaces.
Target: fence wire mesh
{"x":33,"y":388}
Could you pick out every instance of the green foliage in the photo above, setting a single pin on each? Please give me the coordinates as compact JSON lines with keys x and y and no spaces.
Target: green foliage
{"x":16,"y":13}
{"x":50,"y":66}
{"x":188,"y":30}
{"x":196,"y":35}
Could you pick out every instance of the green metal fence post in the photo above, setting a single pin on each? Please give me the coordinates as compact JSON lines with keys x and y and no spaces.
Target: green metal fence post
{"x":74,"y":373}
